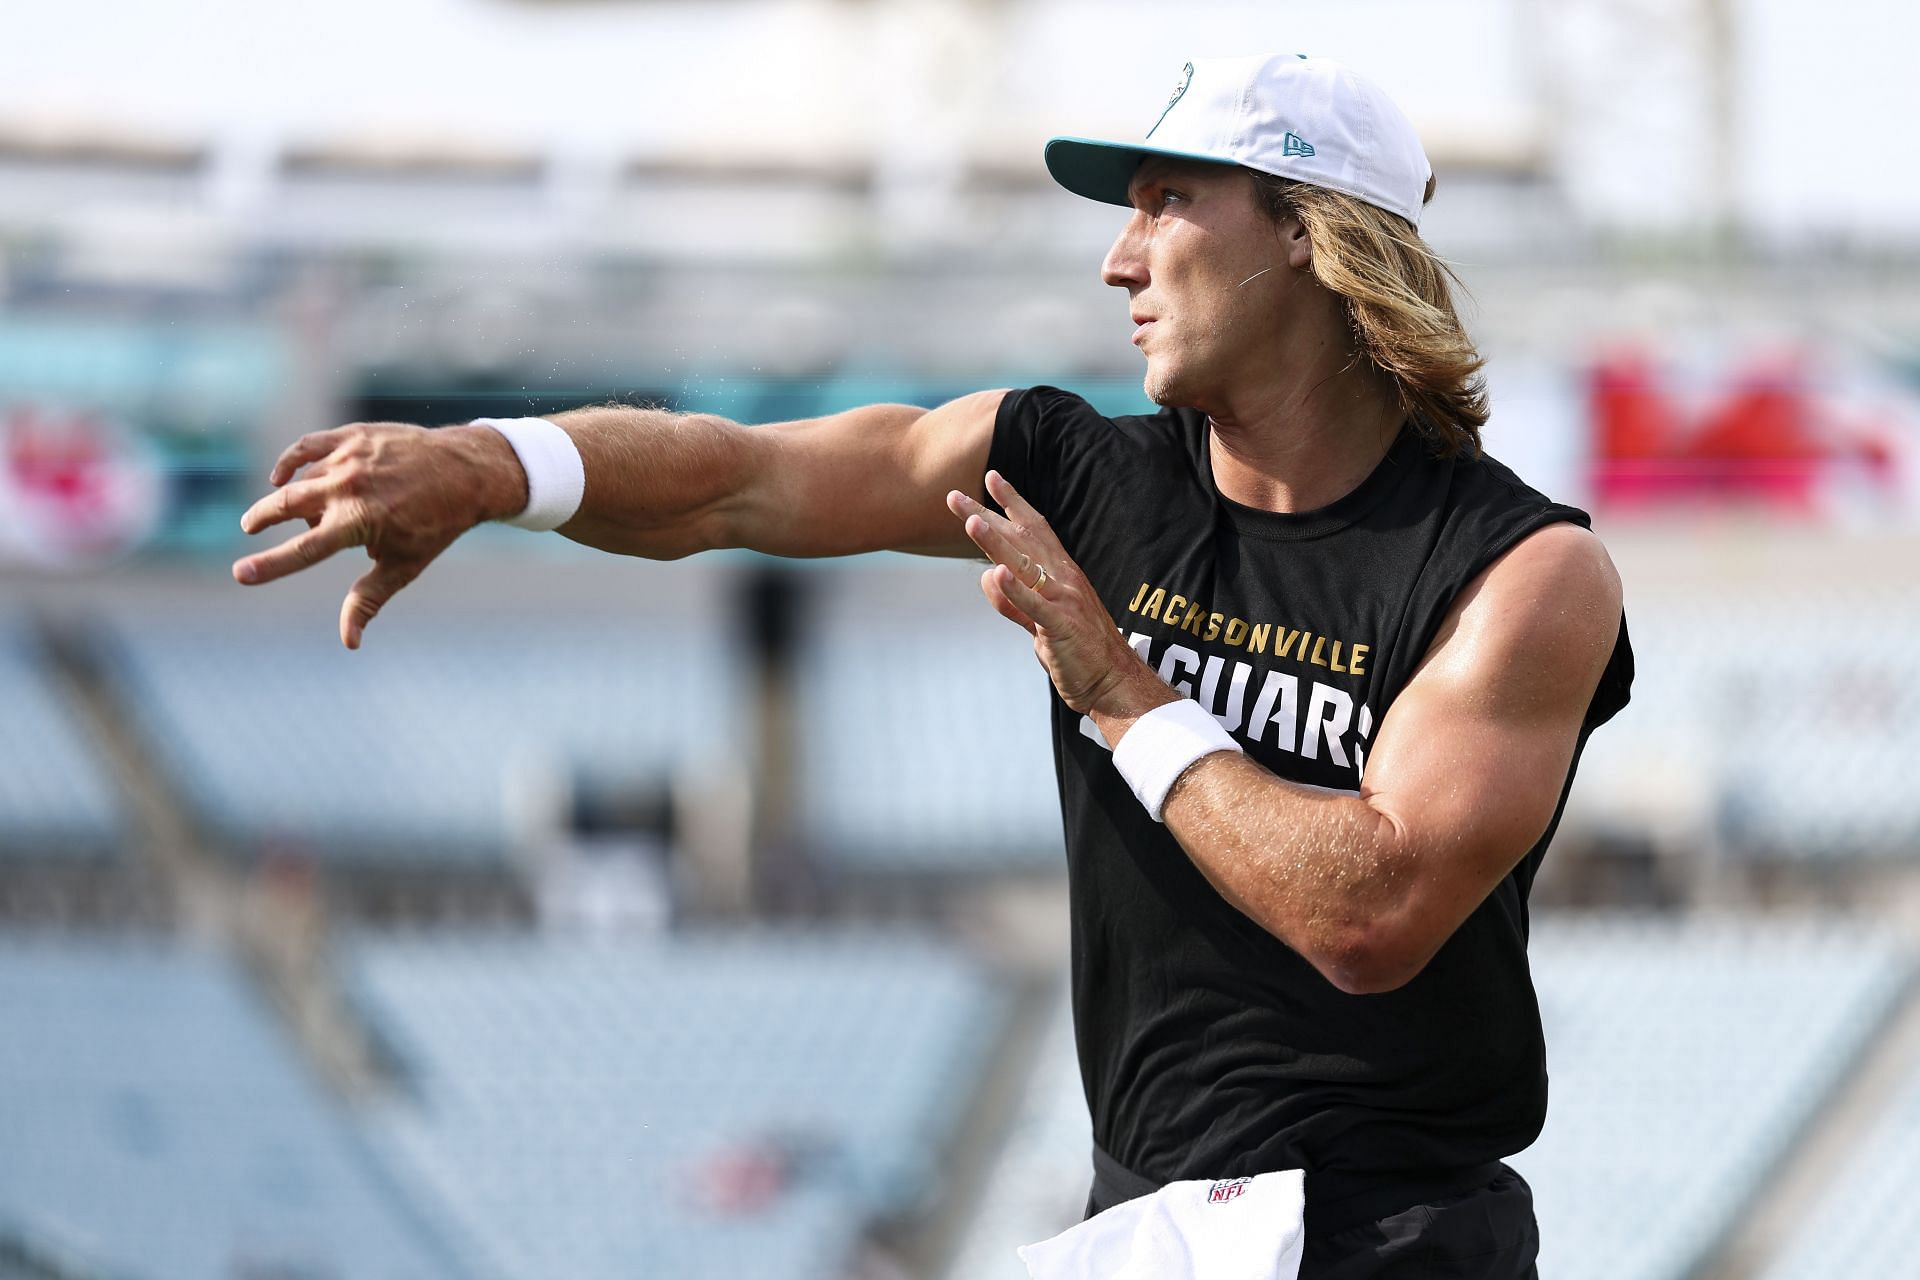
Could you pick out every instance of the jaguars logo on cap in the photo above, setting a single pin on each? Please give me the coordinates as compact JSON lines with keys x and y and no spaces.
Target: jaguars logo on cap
{"x":1179,"y":92}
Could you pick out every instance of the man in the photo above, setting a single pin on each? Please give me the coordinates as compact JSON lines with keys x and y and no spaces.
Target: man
{"x":1323,"y":670}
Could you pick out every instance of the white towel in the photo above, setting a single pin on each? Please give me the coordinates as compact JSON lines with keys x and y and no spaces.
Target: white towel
{"x":1229,"y":1229}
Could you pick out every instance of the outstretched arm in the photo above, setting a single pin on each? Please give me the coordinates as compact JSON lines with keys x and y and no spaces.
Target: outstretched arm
{"x":1463,"y":777}
{"x":658,"y":484}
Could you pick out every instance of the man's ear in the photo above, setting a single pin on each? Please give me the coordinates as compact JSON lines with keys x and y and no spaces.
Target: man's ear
{"x":1294,"y":239}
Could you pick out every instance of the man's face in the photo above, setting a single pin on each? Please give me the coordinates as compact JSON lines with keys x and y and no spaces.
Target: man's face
{"x":1209,"y":276}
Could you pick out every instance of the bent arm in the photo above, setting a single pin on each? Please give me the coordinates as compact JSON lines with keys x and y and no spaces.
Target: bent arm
{"x":1463,"y":779}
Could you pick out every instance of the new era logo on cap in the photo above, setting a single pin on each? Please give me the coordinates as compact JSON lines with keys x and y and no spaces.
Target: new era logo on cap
{"x":1260,"y":113}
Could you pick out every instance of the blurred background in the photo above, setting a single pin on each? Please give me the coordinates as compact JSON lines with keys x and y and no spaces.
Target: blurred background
{"x":611,"y":918}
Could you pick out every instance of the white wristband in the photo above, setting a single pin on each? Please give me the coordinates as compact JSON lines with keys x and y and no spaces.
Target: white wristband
{"x":556,"y":477}
{"x":1162,"y":745}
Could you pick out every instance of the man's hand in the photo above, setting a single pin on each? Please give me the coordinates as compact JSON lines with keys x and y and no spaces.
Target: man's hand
{"x":1073,"y":634}
{"x":403,"y":492}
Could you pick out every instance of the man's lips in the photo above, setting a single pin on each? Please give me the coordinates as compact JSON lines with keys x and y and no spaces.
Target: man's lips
{"x":1141,"y":325}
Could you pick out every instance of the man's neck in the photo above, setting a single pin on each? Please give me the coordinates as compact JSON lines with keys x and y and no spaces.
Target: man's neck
{"x":1299,"y":451}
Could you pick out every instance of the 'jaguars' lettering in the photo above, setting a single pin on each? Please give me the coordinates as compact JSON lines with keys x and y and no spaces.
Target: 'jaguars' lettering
{"x":1284,"y":717}
{"x":1329,"y":712}
{"x":1236,"y":691}
{"x":1177,"y":657}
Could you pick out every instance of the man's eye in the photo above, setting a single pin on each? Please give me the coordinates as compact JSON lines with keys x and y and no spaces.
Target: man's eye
{"x":1168,"y":197}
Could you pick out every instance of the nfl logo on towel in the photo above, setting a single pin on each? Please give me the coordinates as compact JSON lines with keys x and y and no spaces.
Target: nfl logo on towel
{"x":1221,"y":1192}
{"x":1196,"y":1229}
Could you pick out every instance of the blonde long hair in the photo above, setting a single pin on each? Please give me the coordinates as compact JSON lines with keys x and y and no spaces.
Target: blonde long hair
{"x":1398,"y":302}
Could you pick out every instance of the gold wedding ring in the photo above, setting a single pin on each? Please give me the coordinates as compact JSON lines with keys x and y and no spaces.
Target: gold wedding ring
{"x":1040,"y":581}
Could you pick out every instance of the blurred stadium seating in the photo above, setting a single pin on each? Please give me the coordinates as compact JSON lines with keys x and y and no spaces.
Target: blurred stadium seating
{"x":706,"y":1107}
{"x":158,"y":1125}
{"x":431,"y":733}
{"x":1862,"y":1223}
{"x":1785,"y":734}
{"x":55,"y":799}
{"x":717,"y":1107}
{"x":1685,"y":1059}
{"x":1039,"y":1182}
{"x":929,"y":748}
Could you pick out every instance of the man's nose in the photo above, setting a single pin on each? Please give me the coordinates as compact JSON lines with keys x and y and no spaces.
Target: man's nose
{"x":1125,"y":265}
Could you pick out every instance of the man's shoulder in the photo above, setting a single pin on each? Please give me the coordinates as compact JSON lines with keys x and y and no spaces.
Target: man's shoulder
{"x":1478,"y":511}
{"x":1534,"y":573}
{"x":1485,"y":508}
{"x":1571,"y":557}
{"x":1073,"y":458}
{"x":1059,"y":408}
{"x":1483,"y":478}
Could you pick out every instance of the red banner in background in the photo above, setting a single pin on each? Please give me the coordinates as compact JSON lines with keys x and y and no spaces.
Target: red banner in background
{"x":75,"y":486}
{"x":1769,"y":436}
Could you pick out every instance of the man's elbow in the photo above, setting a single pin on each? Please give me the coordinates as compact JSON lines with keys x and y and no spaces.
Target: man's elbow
{"x":1369,"y":959}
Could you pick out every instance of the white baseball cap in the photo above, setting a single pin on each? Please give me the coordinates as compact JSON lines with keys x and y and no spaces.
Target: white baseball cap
{"x":1310,"y":119}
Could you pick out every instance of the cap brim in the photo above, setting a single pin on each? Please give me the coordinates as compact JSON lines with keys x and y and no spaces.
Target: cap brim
{"x":1102,"y":170}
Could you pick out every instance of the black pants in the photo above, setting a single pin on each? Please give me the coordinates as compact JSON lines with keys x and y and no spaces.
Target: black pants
{"x":1462,"y":1223}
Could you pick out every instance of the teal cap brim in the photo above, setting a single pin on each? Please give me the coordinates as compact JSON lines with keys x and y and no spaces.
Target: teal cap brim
{"x":1101,"y":170}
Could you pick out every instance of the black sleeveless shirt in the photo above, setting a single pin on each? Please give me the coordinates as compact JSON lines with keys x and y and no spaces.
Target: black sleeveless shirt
{"x":1208,"y":1047}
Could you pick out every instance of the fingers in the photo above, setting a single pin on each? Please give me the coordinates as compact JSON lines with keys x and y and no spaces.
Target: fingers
{"x":1017,"y":508}
{"x":999,"y":548}
{"x":990,"y":588}
{"x":375,"y":587}
{"x":1033,"y":604}
{"x":308,"y":448}
{"x":1001,"y":541}
{"x":305,"y":499}
{"x":297,"y":553}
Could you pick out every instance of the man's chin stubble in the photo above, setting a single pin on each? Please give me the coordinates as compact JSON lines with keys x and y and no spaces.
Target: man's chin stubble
{"x":1163,"y":388}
